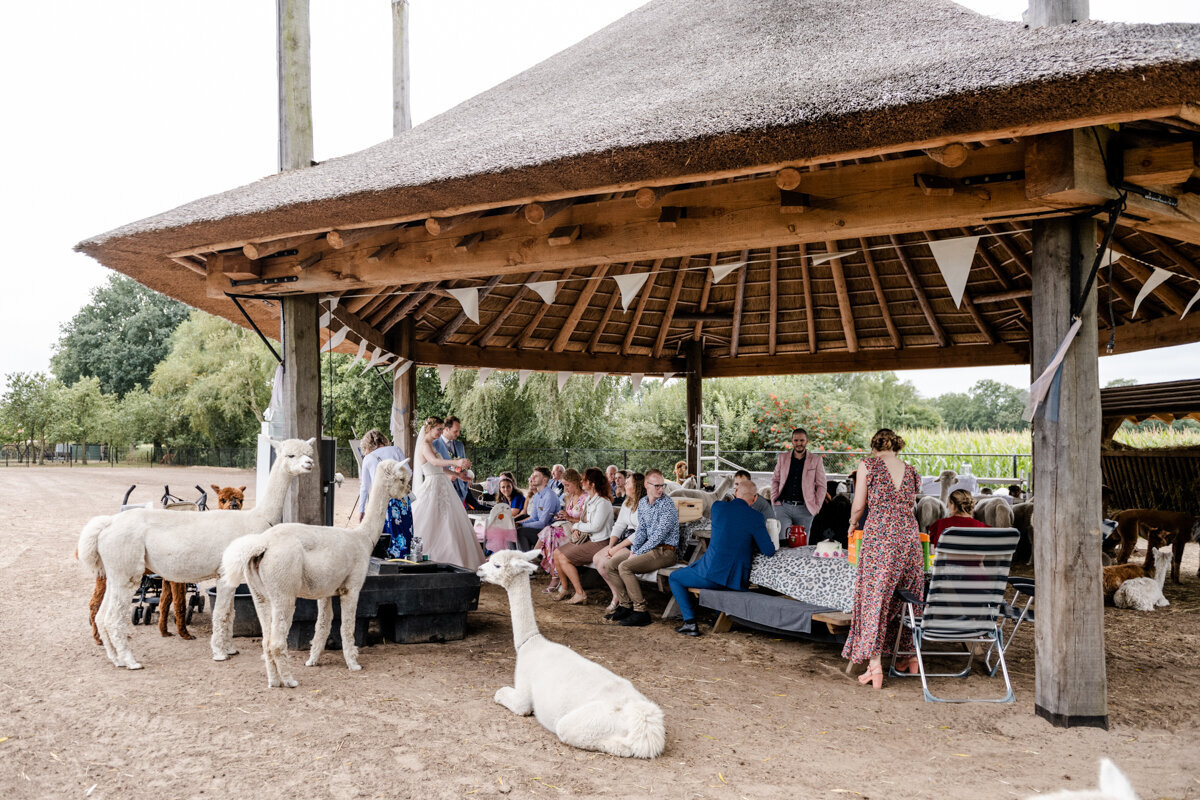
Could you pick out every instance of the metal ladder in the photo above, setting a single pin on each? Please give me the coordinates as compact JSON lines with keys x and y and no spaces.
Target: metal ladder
{"x":716,"y":458}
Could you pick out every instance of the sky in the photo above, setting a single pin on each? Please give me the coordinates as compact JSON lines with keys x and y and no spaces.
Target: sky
{"x":119,"y":110}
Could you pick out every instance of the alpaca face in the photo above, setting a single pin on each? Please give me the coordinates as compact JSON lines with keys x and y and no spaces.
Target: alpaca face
{"x":503,"y":566}
{"x":295,"y":454}
{"x":395,"y":478}
{"x":230,"y":498}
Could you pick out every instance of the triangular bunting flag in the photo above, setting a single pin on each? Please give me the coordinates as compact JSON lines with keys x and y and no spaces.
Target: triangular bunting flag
{"x":636,"y":380}
{"x":362,"y":351}
{"x":599,"y":376}
{"x":954,"y":257}
{"x":403,"y":368}
{"x":484,"y":374}
{"x":444,"y":373}
{"x":323,"y":322}
{"x":397,"y":422}
{"x":1037,"y":392}
{"x":522,"y":376}
{"x":336,"y":339}
{"x":545,"y":289}
{"x":468,"y":298}
{"x":1191,"y":303}
{"x":1153,"y":282}
{"x":667,"y":376}
{"x":333,"y":301}
{"x":563,"y":377}
{"x":630,"y":286}
{"x":720,"y":271}
{"x":821,"y":259}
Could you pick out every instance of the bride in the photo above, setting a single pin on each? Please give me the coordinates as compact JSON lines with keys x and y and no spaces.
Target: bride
{"x":438,"y":514}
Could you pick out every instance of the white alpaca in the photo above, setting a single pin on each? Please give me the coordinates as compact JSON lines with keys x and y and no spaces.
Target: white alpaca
{"x":1113,"y":786}
{"x":314,"y":562}
{"x":1144,"y":594}
{"x":928,"y":509}
{"x":583,"y":703}
{"x":182,"y":547}
{"x":696,"y":494}
{"x":995,"y":512}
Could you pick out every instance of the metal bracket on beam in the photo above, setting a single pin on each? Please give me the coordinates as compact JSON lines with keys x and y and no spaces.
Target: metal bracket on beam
{"x":237,"y":298}
{"x":264,"y":281}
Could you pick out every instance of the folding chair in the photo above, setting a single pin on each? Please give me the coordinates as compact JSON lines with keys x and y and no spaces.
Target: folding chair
{"x":963,"y":604}
{"x":1015,"y":611}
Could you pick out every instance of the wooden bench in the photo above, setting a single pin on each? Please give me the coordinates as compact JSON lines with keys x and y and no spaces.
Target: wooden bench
{"x":837,"y":621}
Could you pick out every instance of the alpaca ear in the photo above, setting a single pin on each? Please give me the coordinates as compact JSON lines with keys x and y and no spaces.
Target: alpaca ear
{"x":215,"y":488}
{"x":312,"y":442}
{"x":276,"y":444}
{"x":241,"y":489}
{"x":1113,"y":782}
{"x":532,"y":556}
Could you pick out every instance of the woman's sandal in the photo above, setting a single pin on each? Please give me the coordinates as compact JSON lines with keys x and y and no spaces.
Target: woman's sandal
{"x":551,"y":589}
{"x":873,"y":675}
{"x":561,"y":594}
{"x":578,"y":600}
{"x":909,"y":667}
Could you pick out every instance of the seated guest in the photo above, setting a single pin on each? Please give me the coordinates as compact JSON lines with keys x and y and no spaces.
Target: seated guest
{"x":618,"y":489}
{"x":540,"y":508}
{"x":760,"y":504}
{"x":1015,"y":492}
{"x":623,"y":528}
{"x":509,"y":493}
{"x":737,"y":531}
{"x":556,"y":479}
{"x":591,"y":534}
{"x":610,"y":473}
{"x":986,"y":490}
{"x":555,"y":536}
{"x":798,"y":485}
{"x":961,"y":505}
{"x":654,"y":545}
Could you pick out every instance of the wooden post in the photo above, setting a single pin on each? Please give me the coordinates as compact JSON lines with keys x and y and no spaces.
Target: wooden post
{"x":302,"y":402}
{"x":295,"y":90}
{"x":1056,"y":12}
{"x":1071,"y":682}
{"x":695,"y":405}
{"x":401,"y":111}
{"x":404,"y":393}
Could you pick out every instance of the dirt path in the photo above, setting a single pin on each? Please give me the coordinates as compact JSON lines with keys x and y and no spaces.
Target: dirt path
{"x":748,"y":715}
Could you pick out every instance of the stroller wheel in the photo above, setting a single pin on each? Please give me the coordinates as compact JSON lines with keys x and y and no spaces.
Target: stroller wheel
{"x":137,"y":615}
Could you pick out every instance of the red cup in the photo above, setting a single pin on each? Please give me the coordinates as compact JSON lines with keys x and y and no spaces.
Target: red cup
{"x":797,"y":536}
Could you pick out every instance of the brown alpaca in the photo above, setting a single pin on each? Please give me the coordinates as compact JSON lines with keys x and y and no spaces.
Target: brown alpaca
{"x":1117,"y":574}
{"x":1158,"y":528}
{"x":172,"y":593}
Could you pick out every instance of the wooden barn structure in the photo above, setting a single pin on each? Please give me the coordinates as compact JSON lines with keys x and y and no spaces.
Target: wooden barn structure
{"x":818,"y":148}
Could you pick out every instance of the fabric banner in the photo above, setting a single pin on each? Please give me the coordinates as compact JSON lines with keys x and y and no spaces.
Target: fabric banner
{"x":630,"y":286}
{"x":444,"y":373}
{"x":821,"y":259}
{"x":1153,"y":282}
{"x":563,"y":377}
{"x":522,"y":376}
{"x":362,"y":351}
{"x":323,"y":322}
{"x":484,"y":374}
{"x":720,"y":271}
{"x":397,"y":424}
{"x":403,"y":367}
{"x":667,"y":376}
{"x":954,"y":258}
{"x":468,"y":298}
{"x":1191,"y":303}
{"x":545,"y":289}
{"x":377,"y":357}
{"x":636,"y":381}
{"x":599,"y":376}
{"x":1037,"y":392}
{"x":336,"y":339}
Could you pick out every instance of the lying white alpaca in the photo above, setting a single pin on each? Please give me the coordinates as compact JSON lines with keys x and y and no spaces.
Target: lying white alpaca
{"x":314,"y":562}
{"x":1113,"y":786}
{"x":995,"y":512}
{"x":1144,"y":594}
{"x":182,"y":547}
{"x":583,"y":703}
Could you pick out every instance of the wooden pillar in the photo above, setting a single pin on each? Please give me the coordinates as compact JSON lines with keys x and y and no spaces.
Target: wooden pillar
{"x":695,"y":405}
{"x":404,"y":393}
{"x":401,"y":111}
{"x":1071,"y":682}
{"x":302,"y":402}
{"x":295,"y":91}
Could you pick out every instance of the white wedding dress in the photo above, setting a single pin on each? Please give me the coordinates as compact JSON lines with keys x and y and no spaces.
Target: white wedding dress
{"x":440,"y":519}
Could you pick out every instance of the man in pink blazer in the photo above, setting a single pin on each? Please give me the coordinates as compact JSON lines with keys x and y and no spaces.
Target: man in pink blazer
{"x":798,"y":485}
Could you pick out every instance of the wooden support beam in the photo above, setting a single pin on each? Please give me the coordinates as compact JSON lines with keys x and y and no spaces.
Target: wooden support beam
{"x":191,"y":262}
{"x":843,"y":297}
{"x":379,"y":300}
{"x":436,"y":226}
{"x":919,"y":291}
{"x":385,"y":309}
{"x":562,"y":236}
{"x":359,"y":327}
{"x":950,"y":155}
{"x":301,"y":400}
{"x":739,"y":300}
{"x":451,"y":327}
{"x":643,"y":300}
{"x":934,"y":185}
{"x":1159,"y":165}
{"x":1181,"y":262}
{"x":512,"y":358}
{"x":486,"y":335}
{"x":773,"y":308}
{"x":872,"y":360}
{"x":339,"y":239}
{"x":257,"y":250}
{"x":1070,"y":685}
{"x":880,"y":297}
{"x":648,"y":197}
{"x":384,"y":252}
{"x":705,"y":293}
{"x":694,"y":355}
{"x":232,"y":266}
{"x":810,"y":311}
{"x":586,"y":292}
{"x":1151,"y":334}
{"x":427,"y":305}
{"x":404,"y":389}
{"x":467,"y":243}
{"x":1000,"y":297}
{"x":527,"y":334}
{"x":537,"y":213}
{"x":787,"y":178}
{"x":357,"y":301}
{"x":406,"y":307}
{"x":794,"y":202}
{"x":608,"y":312}
{"x":669,"y":216}
{"x":669,"y":313}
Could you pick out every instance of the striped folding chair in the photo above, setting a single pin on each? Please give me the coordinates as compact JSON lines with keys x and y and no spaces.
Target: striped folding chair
{"x":1013,"y":613}
{"x":962,"y":605}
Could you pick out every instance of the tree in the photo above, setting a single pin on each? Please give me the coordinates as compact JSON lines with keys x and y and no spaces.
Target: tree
{"x":118,"y":337}
{"x":989,"y":405}
{"x":27,"y":411}
{"x":141,"y":417}
{"x":85,"y":412}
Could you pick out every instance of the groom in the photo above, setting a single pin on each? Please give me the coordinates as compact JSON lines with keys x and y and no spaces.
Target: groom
{"x":448,"y":446}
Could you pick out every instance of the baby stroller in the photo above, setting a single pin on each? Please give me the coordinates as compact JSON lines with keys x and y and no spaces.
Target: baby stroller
{"x":149,"y":594}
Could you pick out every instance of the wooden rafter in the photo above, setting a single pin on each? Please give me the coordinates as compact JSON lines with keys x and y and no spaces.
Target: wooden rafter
{"x":451,"y":327}
{"x":1171,"y":254}
{"x":581,"y":303}
{"x":608,"y":312}
{"x":361,"y":329}
{"x":485,"y":336}
{"x":668,"y":315}
{"x":704,"y":294}
{"x":773,"y":309}
{"x":968,"y":305}
{"x":809,"y":308}
{"x":914,"y":281}
{"x":393,"y":301}
{"x":411,"y":302}
{"x":643,"y":300}
{"x":880,"y":297}
{"x":527,"y":334}
{"x":843,"y":298}
{"x":1016,"y":255}
{"x":739,"y":299}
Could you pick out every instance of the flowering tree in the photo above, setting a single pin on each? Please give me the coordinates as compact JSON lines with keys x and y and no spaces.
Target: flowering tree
{"x":829,"y":426}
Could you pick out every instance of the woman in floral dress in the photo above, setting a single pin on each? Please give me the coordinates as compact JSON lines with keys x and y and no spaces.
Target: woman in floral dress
{"x":553,"y":536}
{"x":889,"y":556}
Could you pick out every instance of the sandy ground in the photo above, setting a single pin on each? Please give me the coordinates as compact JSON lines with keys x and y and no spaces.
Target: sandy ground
{"x":748,"y":715}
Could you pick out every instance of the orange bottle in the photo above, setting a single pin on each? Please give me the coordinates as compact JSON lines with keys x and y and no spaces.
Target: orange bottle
{"x":855,"y":546}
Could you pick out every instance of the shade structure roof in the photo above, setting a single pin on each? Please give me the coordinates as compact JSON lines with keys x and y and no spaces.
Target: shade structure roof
{"x":1167,"y":401}
{"x":657,"y":144}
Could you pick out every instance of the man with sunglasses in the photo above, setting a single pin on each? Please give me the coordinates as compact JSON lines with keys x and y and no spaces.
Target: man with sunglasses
{"x":654,"y":545}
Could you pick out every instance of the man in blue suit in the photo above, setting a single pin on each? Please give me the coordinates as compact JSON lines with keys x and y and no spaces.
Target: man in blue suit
{"x":448,"y":446}
{"x":736,"y":530}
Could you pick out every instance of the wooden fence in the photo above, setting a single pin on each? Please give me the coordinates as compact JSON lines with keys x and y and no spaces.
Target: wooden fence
{"x":1166,"y":479}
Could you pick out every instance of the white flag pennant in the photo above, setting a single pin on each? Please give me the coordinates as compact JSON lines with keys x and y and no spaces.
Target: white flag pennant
{"x":324,"y":321}
{"x":522,"y":376}
{"x":1191,"y":303}
{"x":397,"y":423}
{"x":954,"y":257}
{"x":630,"y":286}
{"x":332,"y":300}
{"x":636,"y":381}
{"x":720,"y":271}
{"x":821,"y":259}
{"x":1155,"y":280}
{"x":404,"y":367}
{"x":335,"y":340}
{"x":444,"y":373}
{"x":484,"y":374}
{"x":545,"y":289}
{"x":599,"y":376}
{"x":377,"y":357}
{"x":563,"y":377}
{"x":362,"y":351}
{"x":667,"y":376}
{"x":468,"y":298}
{"x":1037,"y":392}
